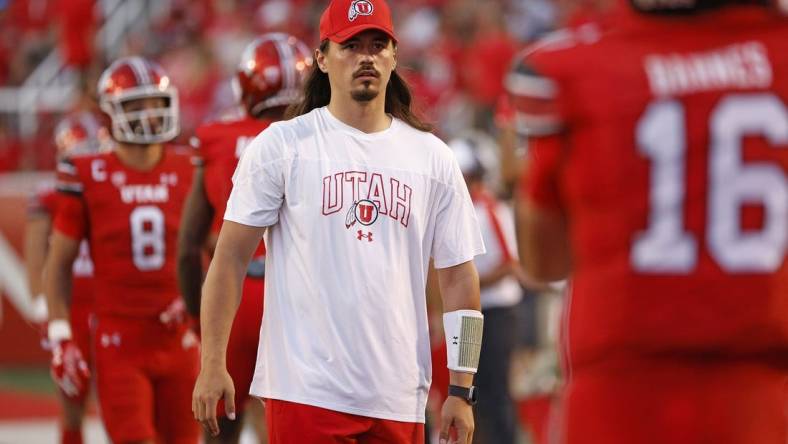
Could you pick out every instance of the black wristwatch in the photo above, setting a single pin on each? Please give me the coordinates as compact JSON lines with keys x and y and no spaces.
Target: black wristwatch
{"x":467,"y":394}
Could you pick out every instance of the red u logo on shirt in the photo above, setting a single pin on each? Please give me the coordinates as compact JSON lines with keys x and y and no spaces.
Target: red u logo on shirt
{"x":369,"y":195}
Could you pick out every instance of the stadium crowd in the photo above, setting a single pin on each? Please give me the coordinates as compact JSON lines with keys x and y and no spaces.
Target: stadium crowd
{"x":455,"y":53}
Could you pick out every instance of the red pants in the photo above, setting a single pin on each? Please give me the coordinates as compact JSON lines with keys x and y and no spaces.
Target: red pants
{"x":291,"y":423}
{"x":242,"y":344}
{"x":80,"y":318}
{"x":660,"y":402}
{"x":145,"y":374}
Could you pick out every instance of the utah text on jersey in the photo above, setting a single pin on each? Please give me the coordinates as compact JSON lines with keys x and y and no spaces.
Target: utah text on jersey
{"x":369,"y":196}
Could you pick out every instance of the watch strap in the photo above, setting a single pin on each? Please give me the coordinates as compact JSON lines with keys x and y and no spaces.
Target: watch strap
{"x":468,"y":394}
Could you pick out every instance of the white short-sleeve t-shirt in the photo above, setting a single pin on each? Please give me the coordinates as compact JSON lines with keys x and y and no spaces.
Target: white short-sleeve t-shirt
{"x":354,"y":219}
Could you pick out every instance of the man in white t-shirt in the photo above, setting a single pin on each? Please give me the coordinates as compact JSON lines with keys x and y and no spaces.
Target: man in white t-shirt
{"x":355,"y":197}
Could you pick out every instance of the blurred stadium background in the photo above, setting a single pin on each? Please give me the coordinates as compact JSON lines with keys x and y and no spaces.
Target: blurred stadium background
{"x":455,"y":54}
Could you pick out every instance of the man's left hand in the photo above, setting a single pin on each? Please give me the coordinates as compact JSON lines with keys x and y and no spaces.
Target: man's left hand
{"x":456,"y":416}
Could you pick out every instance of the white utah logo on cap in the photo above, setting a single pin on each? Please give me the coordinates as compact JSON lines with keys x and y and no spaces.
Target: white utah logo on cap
{"x":359,"y":7}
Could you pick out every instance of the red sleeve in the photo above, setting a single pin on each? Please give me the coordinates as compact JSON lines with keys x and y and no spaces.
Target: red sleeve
{"x":77,"y":30}
{"x":535,"y":97}
{"x":539,"y":182}
{"x":42,"y":203}
{"x":71,"y":215}
{"x":541,"y":115}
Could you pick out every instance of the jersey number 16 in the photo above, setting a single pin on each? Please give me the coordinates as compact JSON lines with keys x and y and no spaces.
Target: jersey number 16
{"x":666,"y":246}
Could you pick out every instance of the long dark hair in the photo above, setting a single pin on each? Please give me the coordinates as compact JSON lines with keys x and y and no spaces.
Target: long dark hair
{"x":317,"y":93}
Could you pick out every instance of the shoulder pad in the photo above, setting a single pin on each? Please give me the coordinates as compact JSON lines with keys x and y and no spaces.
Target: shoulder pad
{"x":534,"y":97}
{"x":68,"y":180}
{"x":567,"y":38}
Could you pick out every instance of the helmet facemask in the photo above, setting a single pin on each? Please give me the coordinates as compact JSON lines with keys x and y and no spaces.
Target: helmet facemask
{"x":148,"y":125}
{"x":284,"y":97}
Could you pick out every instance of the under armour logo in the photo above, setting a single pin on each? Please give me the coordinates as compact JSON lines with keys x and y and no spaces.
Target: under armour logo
{"x":107,"y":340}
{"x":455,"y":339}
{"x":189,"y":340}
{"x":361,"y":235}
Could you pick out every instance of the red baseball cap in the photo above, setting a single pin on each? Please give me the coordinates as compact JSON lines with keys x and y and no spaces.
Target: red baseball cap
{"x":345,"y":18}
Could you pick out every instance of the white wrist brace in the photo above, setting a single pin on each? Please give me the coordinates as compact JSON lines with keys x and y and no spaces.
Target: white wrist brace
{"x":58,"y":330}
{"x":463,"y":330}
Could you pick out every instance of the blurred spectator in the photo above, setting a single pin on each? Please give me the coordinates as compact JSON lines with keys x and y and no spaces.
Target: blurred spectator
{"x":296,"y":17}
{"x":574,"y":13}
{"x":510,"y":144}
{"x":5,"y":43}
{"x":487,"y":59}
{"x":454,"y":55}
{"x":193,"y":71}
{"x":10,"y":148}
{"x":499,"y":279}
{"x":28,"y":34}
{"x":528,"y":19}
{"x":32,"y":16}
{"x":77,"y":31}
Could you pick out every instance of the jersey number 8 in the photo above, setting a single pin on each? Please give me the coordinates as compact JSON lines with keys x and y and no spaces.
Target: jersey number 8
{"x":147,"y":238}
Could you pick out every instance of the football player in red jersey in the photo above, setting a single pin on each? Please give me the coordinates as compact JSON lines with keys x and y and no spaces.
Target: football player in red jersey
{"x":658,"y":179}
{"x":269,"y":78}
{"x":128,"y":203}
{"x":77,"y":134}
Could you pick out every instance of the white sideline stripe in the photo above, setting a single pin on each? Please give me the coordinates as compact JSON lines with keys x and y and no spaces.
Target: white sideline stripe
{"x":12,"y":280}
{"x":45,"y":431}
{"x":22,"y":184}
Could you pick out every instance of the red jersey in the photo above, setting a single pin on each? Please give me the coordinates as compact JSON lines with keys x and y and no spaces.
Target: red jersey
{"x":45,"y":202}
{"x":221,"y":145}
{"x":665,"y":142}
{"x":131,"y":219}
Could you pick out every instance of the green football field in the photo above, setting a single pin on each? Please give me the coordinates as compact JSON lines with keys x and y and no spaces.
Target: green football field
{"x":33,"y":380}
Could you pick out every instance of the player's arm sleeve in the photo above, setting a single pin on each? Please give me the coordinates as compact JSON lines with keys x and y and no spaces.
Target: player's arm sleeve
{"x":40,"y":204}
{"x":541,"y":117}
{"x":195,"y":224}
{"x":534,"y":96}
{"x":539,"y":182}
{"x":458,"y":237}
{"x":71,"y":213}
{"x":259,"y":182}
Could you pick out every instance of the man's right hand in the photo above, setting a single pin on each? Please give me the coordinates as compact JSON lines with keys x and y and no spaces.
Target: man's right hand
{"x":69,"y":369}
{"x":213,"y":384}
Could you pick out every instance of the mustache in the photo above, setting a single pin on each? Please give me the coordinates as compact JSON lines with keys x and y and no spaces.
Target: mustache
{"x":366,"y":71}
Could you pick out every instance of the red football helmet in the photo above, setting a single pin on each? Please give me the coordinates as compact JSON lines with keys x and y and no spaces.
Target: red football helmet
{"x":134,"y":78}
{"x":79,"y":133}
{"x":272,"y":71}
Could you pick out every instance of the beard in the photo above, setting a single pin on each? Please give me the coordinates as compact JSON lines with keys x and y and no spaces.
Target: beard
{"x":366,"y":94}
